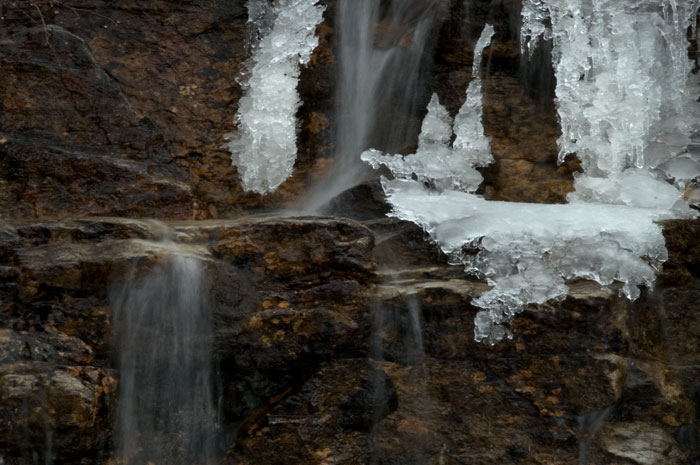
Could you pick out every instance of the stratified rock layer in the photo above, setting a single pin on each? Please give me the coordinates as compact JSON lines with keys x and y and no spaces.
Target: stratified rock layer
{"x":120,"y":108}
{"x":314,"y":356}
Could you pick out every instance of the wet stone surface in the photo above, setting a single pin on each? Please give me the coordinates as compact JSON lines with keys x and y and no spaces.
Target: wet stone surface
{"x":311,"y":343}
{"x":120,"y":108}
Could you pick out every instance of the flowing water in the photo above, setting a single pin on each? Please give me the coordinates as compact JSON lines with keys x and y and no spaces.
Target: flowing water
{"x":588,"y":425}
{"x":167,"y":413}
{"x":382,"y":84}
{"x":397,"y":345}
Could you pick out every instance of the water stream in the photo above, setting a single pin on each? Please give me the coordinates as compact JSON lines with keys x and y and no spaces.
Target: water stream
{"x":167,"y":412}
{"x":397,"y":349}
{"x":381,"y":85}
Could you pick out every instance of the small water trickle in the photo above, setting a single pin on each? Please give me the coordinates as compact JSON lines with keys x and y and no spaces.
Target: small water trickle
{"x":588,"y":425}
{"x":48,"y":445}
{"x":382,"y":84}
{"x":397,"y":333}
{"x":397,"y":346}
{"x":162,"y":324}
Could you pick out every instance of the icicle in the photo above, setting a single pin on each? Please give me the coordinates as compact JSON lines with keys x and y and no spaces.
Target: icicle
{"x":264,"y":148}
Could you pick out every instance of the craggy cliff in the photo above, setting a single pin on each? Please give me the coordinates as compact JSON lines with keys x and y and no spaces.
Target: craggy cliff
{"x":114,"y":113}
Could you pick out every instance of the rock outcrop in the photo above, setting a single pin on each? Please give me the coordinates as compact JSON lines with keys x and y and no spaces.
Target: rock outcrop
{"x":287,"y":294}
{"x":317,"y":359}
{"x":336,"y":341}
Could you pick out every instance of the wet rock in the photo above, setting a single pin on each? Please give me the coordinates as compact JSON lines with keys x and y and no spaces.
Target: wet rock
{"x":640,"y":443}
{"x":363,"y":202}
{"x":283,"y":289}
{"x":43,"y":347}
{"x":63,"y":143}
{"x":576,"y":372}
{"x":120,"y":108}
{"x":134,"y":101}
{"x":400,"y":244}
{"x":312,"y":412}
{"x":298,"y":287}
{"x":54,"y":414}
{"x":296,"y":302}
{"x":288,"y":248}
{"x":369,"y":405}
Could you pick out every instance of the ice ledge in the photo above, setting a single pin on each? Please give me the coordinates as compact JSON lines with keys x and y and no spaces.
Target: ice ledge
{"x":527,"y":252}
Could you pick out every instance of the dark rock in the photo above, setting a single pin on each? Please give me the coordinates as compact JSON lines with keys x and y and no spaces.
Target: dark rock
{"x":72,"y":137}
{"x":369,"y":405}
{"x":363,"y":202}
{"x":296,"y":302}
{"x":299,"y":283}
{"x":120,"y":108}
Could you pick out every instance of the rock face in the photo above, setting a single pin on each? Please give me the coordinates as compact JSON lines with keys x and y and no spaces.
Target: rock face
{"x":318,"y":356}
{"x":593,"y":379}
{"x":121,"y":109}
{"x":336,"y":341}
{"x":72,"y":142}
{"x":287,"y":294}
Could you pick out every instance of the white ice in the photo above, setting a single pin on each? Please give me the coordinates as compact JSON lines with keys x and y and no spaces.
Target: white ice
{"x":435,"y":161}
{"x":527,"y":251}
{"x":623,"y":98}
{"x":625,"y":93}
{"x":264,"y":147}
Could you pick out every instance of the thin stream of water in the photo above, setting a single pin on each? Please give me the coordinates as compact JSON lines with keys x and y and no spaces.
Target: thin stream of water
{"x":382,"y":76}
{"x":167,"y":412}
{"x":397,"y":335}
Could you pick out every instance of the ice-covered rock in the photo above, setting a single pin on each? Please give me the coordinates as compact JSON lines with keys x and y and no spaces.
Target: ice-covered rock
{"x":623,"y":73}
{"x":264,"y":147}
{"x":634,"y":187}
{"x":528,"y":251}
{"x":625,"y":115}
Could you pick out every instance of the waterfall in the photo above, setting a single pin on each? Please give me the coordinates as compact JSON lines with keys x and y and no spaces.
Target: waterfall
{"x":397,"y":340}
{"x":382,"y":61}
{"x":162,"y":324}
{"x":630,"y":120}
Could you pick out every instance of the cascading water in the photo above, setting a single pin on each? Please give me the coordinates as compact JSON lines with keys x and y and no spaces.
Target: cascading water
{"x":404,"y":326}
{"x":167,"y":414}
{"x":397,"y":337}
{"x":382,"y":64}
{"x":625,"y":116}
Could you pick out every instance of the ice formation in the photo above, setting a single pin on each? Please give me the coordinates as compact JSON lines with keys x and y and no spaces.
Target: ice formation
{"x":264,"y":148}
{"x":608,"y":231}
{"x":527,"y":251}
{"x":682,"y":170}
{"x":470,"y":141}
{"x":624,"y":93}
{"x":435,"y":162}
